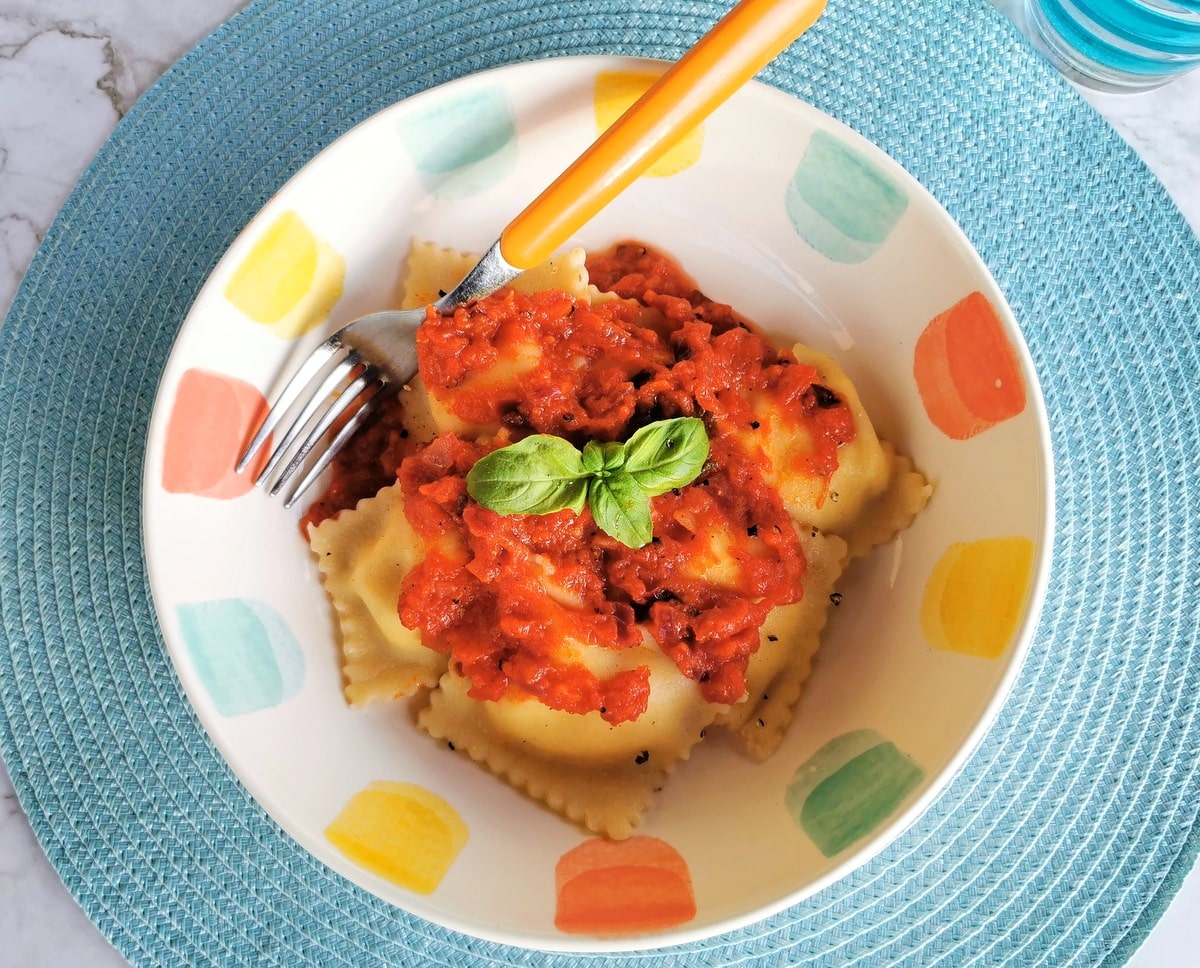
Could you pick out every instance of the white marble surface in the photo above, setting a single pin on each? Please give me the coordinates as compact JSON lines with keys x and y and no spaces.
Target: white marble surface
{"x":69,"y":69}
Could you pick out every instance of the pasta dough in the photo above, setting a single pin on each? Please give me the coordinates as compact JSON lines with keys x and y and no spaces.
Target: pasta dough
{"x":594,"y":772}
{"x":363,"y":556}
{"x":790,"y":637}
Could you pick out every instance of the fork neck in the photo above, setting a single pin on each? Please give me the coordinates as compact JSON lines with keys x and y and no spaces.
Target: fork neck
{"x":489,"y":274}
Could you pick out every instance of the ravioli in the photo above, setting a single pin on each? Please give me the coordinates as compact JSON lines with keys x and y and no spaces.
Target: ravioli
{"x":597,"y":774}
{"x":363,"y":556}
{"x":490,"y":385}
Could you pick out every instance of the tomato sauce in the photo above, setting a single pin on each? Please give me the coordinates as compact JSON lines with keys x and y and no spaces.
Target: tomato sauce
{"x":513,"y":600}
{"x":368,"y":463}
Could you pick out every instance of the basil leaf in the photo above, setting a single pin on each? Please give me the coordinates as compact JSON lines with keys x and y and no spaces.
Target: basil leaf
{"x":537,"y":475}
{"x":621,"y":508}
{"x":601,"y":459}
{"x":542,"y":474}
{"x":593,"y":457}
{"x":667,"y":454}
{"x":614,"y":455}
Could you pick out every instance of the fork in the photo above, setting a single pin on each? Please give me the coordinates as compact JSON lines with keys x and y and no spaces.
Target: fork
{"x":353,"y":369}
{"x":358,"y":364}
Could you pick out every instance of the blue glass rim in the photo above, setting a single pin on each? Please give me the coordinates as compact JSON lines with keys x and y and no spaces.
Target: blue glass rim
{"x":1127,"y":25}
{"x":1095,"y":58}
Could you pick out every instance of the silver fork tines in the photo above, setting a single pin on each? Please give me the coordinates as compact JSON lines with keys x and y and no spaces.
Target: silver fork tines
{"x":287,"y":396}
{"x":338,"y":442}
{"x":368,"y":382}
{"x":349,"y":381}
{"x":355,"y":367}
{"x":321,"y":397}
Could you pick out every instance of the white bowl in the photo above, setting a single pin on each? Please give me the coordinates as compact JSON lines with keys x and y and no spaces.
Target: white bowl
{"x":807,"y":229}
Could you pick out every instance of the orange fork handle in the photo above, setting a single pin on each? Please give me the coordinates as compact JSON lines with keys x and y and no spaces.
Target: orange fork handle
{"x":743,"y":42}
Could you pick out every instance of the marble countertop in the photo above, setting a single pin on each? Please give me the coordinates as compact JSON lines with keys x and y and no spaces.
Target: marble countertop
{"x":69,"y":70}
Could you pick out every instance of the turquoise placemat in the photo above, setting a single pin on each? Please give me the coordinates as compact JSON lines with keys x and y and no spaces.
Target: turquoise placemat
{"x":1067,"y":832}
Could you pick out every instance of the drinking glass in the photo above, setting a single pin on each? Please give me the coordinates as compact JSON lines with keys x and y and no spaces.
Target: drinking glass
{"x":1118,"y":45}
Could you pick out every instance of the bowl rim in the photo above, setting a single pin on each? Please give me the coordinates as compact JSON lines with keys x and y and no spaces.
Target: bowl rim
{"x":888,"y":832}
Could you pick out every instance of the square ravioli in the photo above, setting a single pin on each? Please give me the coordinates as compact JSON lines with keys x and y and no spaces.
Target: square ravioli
{"x":579,"y":664}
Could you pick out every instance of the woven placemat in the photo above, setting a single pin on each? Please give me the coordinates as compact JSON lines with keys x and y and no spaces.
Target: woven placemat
{"x":1067,"y":832}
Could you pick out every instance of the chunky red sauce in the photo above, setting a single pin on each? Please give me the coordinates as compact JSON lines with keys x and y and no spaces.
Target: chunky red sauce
{"x":503,"y":596}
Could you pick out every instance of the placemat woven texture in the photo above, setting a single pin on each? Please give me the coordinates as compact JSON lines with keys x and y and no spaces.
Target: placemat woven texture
{"x":1067,"y":832}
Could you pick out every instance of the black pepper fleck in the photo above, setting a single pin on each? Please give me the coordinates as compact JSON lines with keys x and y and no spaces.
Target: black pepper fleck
{"x":642,"y":757}
{"x":761,"y":723}
{"x":772,"y":638}
{"x":754,"y":425}
{"x":450,"y":745}
{"x":826,"y":398}
{"x":752,"y":531}
{"x":512,"y":417}
{"x":836,"y":598}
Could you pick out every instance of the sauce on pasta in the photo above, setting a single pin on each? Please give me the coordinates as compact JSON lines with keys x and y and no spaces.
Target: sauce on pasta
{"x":517,"y":601}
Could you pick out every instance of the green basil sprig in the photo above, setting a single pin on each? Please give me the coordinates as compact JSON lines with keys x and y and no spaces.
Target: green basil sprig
{"x":542,"y":474}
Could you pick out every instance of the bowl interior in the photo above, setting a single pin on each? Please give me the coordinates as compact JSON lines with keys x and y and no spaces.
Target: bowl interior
{"x":804,"y":227}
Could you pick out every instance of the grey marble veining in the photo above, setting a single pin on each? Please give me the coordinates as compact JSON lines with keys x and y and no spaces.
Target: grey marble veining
{"x":1164,"y":128}
{"x":69,"y":70}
